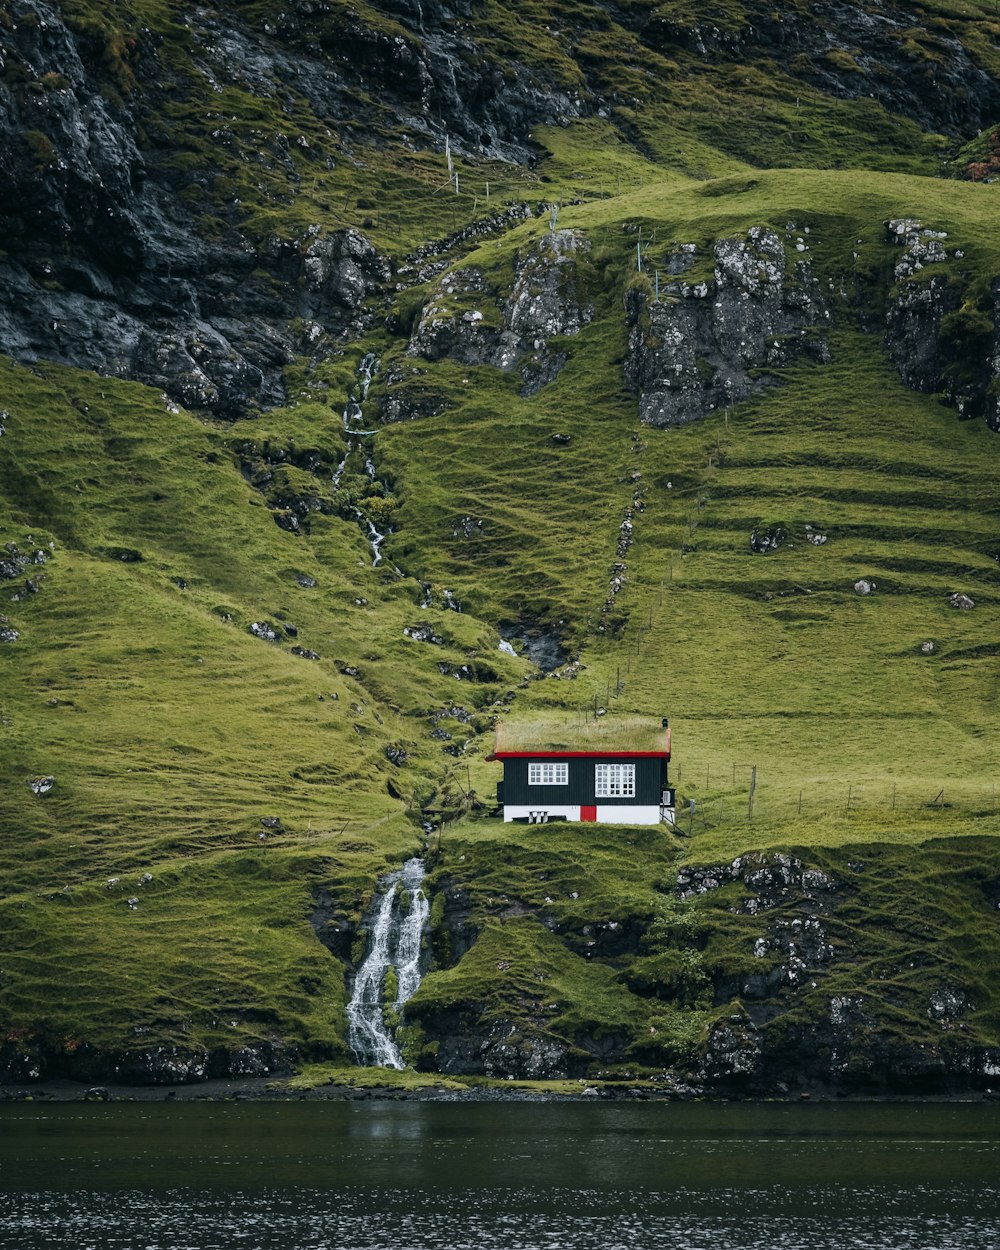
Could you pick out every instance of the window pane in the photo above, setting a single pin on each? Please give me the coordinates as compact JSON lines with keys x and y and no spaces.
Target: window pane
{"x":614,"y":781}
{"x":548,"y":774}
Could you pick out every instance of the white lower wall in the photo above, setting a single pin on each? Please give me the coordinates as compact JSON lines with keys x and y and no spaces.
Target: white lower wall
{"x":648,"y":814}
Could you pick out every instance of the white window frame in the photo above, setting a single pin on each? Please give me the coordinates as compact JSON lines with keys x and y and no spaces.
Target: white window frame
{"x":614,"y":781}
{"x":548,"y":773}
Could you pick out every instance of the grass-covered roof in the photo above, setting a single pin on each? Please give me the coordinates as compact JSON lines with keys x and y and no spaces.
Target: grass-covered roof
{"x":605,"y":733}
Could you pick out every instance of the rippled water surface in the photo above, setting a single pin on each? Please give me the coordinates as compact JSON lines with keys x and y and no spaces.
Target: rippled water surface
{"x":360,"y":1176}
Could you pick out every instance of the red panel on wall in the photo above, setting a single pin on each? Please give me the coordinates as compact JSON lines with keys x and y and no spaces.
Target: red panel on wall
{"x":588,"y":814}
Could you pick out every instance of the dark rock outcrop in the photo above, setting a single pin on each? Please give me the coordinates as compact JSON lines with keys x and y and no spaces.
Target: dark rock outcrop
{"x":708,"y":344}
{"x":938,"y":338}
{"x":106,"y":267}
{"x":848,"y":50}
{"x":468,"y":321}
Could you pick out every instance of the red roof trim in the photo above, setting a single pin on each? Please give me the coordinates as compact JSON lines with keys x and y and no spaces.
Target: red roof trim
{"x":582,"y":755}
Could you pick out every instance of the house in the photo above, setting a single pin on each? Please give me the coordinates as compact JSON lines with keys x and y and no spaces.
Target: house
{"x":612,"y":770}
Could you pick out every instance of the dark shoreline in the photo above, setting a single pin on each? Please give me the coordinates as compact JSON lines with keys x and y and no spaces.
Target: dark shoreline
{"x":267,"y":1089}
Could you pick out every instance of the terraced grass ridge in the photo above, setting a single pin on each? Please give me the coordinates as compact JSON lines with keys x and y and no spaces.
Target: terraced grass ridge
{"x":248,"y":666}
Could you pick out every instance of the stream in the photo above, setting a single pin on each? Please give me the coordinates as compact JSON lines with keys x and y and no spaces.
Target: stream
{"x":352,"y":417}
{"x":394,"y":941}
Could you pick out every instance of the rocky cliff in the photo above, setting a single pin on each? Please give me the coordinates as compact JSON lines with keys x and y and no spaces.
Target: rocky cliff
{"x":130,"y":143}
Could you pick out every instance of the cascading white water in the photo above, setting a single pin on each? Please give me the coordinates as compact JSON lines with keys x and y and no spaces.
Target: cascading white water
{"x":353,"y":413}
{"x":394,"y":942}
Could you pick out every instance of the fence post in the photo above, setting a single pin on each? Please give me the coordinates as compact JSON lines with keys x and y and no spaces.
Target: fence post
{"x":753,"y":787}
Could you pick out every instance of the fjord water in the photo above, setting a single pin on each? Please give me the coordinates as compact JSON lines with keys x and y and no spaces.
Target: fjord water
{"x":333,"y":1176}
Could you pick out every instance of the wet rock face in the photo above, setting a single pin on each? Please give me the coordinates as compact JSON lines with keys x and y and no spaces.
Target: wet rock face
{"x":733,"y":1052}
{"x":71,"y":153}
{"x":540,"y":642}
{"x":936,"y":82}
{"x":510,"y":1052}
{"x":699,"y":347}
{"x":157,"y":1065}
{"x":340,"y":273}
{"x":105,"y":267}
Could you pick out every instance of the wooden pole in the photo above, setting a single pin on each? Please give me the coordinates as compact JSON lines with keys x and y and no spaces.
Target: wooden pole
{"x":849,"y":789}
{"x":893,"y":796}
{"x":753,"y":787}
{"x":799,"y":812}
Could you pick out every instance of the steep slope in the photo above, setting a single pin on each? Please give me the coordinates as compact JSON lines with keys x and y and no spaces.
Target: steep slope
{"x":683,"y":391}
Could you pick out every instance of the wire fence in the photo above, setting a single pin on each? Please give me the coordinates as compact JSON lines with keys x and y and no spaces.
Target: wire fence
{"x":709,"y":795}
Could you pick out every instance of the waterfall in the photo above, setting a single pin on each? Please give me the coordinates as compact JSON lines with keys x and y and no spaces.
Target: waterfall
{"x":394,"y":941}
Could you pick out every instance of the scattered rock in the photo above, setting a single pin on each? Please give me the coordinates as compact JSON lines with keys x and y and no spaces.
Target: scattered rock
{"x":304,"y":653}
{"x":864,"y":586}
{"x":468,"y":527}
{"x":396,"y":755}
{"x":423,"y":633}
{"x":304,"y":580}
{"x":272,"y":822}
{"x":265,"y":630}
{"x":768,"y":539}
{"x":961,"y":601}
{"x":927,"y":647}
{"x":41,"y":785}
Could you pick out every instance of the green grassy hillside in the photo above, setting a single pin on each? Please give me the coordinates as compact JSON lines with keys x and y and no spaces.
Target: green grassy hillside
{"x":247,"y":721}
